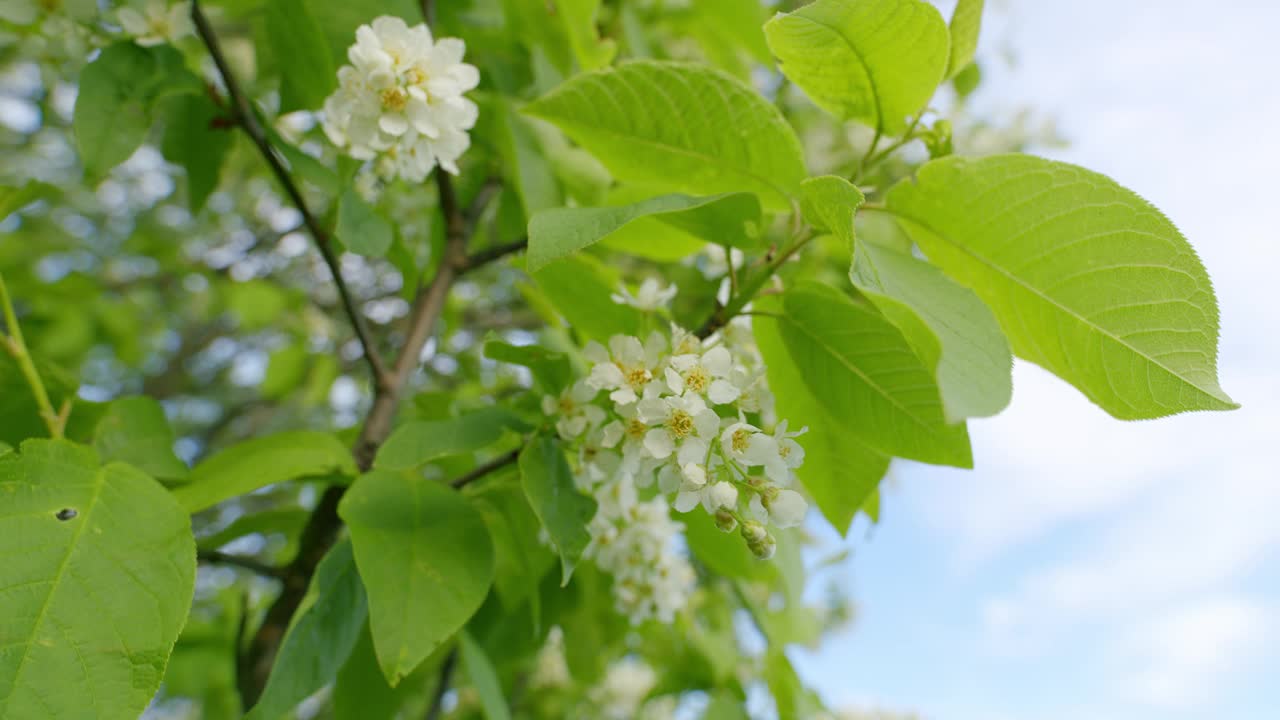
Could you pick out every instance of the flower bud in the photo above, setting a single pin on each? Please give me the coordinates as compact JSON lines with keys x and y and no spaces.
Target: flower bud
{"x":786,"y":507}
{"x":764,"y":547}
{"x":725,"y":520}
{"x":753,"y":532}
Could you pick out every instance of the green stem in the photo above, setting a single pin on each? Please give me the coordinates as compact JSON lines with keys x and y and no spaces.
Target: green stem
{"x":17,"y":347}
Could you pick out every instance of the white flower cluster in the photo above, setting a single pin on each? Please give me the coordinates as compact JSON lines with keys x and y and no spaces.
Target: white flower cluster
{"x":667,"y":420}
{"x":623,"y":688}
{"x":155,"y":22}
{"x":400,"y":102}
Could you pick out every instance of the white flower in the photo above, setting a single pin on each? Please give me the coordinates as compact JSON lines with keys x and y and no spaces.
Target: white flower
{"x":626,"y":367}
{"x":705,"y":374}
{"x":400,"y":101}
{"x":157,"y":22}
{"x":786,"y":508}
{"x":745,"y":443}
{"x":682,"y":418}
{"x":625,"y":685}
{"x":712,"y":497}
{"x":649,"y":297}
{"x":788,"y":449}
{"x":572,"y":409}
{"x":550,"y":667}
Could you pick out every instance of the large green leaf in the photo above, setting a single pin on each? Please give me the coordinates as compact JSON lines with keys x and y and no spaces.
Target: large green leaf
{"x":483,"y":678}
{"x":966,"y":24}
{"x":579,"y":19}
{"x":417,"y":443}
{"x":730,"y":218}
{"x":520,"y":560}
{"x":867,"y":376}
{"x":839,"y":471}
{"x":579,"y":287}
{"x":324,"y":630}
{"x":118,"y":92}
{"x":98,"y":573}
{"x":951,"y":329}
{"x":261,"y":462}
{"x":361,"y":228}
{"x":300,"y":49}
{"x":680,"y":127}
{"x":564,"y":512}
{"x":1087,"y":279}
{"x":135,"y":430}
{"x":195,"y":139}
{"x":875,"y":61}
{"x":550,"y":369}
{"x":426,"y":561}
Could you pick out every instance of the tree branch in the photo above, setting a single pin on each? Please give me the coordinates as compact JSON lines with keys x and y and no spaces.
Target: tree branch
{"x":214,"y":557}
{"x":244,"y":116}
{"x":481,"y":470}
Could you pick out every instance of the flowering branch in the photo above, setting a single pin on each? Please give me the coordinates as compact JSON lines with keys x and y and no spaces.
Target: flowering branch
{"x":214,"y":557}
{"x":243,"y":115}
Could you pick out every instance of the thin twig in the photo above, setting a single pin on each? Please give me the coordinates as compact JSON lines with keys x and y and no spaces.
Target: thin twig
{"x":442,"y":685}
{"x":488,"y":255}
{"x":13,"y":342}
{"x":245,"y":117}
{"x":215,"y":557}
{"x":481,"y":470}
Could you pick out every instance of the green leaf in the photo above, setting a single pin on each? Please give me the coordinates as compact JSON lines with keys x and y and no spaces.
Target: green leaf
{"x":118,"y":92}
{"x":840,"y":471}
{"x":19,"y":413}
{"x":550,"y":369}
{"x":867,"y":376}
{"x":1088,"y":280}
{"x":135,"y":430}
{"x":951,"y":329}
{"x":285,"y":371}
{"x":580,"y":288}
{"x":426,"y":560}
{"x":321,"y":635}
{"x":874,"y":61}
{"x":726,"y":554}
{"x":483,"y":678}
{"x":520,"y":559}
{"x":563,"y":511}
{"x":830,"y":203}
{"x":418,"y":442}
{"x":360,"y":692}
{"x":13,"y":199}
{"x":361,"y":228}
{"x":300,"y":49}
{"x":730,"y":218}
{"x":579,"y":19}
{"x":668,"y":125}
{"x":98,"y":574}
{"x":263,"y":461}
{"x":194,"y":139}
{"x":966,"y":23}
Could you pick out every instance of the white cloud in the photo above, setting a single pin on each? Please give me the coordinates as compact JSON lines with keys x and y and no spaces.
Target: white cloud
{"x":1183,"y":656}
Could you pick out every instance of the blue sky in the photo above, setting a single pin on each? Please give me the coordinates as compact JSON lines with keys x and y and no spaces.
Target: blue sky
{"x":1088,"y":568}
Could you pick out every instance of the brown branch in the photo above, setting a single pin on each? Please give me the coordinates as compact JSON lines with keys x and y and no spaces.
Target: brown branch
{"x":324,"y":524}
{"x":243,"y":114}
{"x":214,"y":557}
{"x":488,"y":255}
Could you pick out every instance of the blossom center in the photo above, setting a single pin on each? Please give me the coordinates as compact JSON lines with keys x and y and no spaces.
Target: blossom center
{"x":680,"y":424}
{"x":697,"y":379}
{"x":415,"y":76}
{"x":395,"y":98}
{"x":567,"y":405}
{"x":636,"y":429}
{"x":784,"y":451}
{"x":740,"y":440}
{"x":635,"y":376}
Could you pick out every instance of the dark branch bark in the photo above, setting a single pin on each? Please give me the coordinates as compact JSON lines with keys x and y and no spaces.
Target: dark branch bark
{"x":244,"y":116}
{"x":442,"y":685}
{"x":214,"y":557}
{"x":481,"y":470}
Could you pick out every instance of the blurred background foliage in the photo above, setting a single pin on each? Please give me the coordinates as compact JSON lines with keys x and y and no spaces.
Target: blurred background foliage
{"x":184,"y":275}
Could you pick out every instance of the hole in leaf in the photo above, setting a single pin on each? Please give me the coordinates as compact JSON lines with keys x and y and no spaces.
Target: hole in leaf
{"x":65,"y":514}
